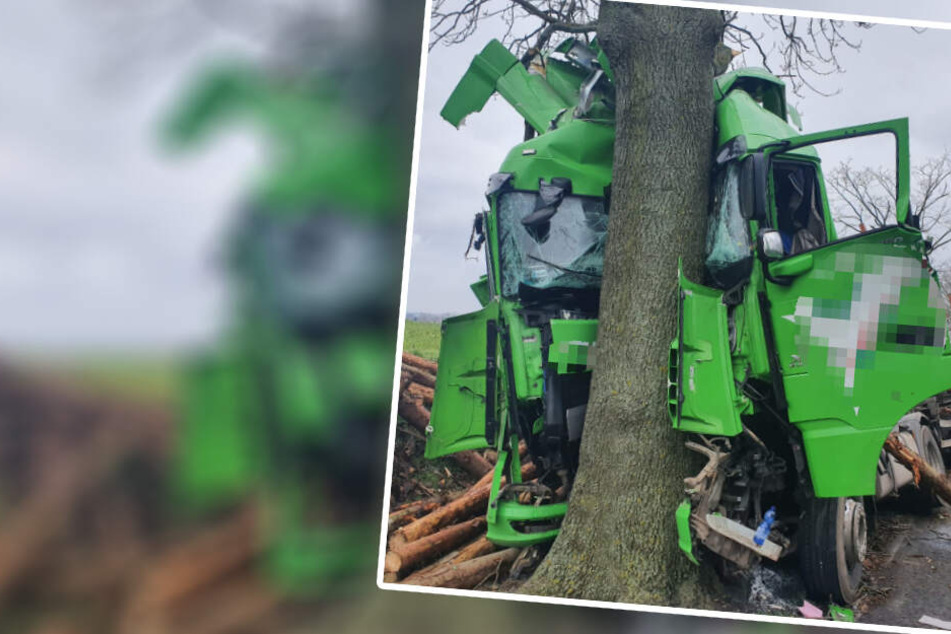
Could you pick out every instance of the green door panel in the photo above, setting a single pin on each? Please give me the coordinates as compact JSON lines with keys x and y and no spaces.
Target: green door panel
{"x":217,"y":451}
{"x":458,"y":413}
{"x":896,"y":127}
{"x":860,"y":341}
{"x":703,"y":397}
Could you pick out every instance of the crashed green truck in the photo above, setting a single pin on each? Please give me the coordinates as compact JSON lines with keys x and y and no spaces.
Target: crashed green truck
{"x":284,"y":407}
{"x":795,"y":357}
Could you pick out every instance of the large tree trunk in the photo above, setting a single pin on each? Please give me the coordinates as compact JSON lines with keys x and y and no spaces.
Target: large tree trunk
{"x":619,"y":540}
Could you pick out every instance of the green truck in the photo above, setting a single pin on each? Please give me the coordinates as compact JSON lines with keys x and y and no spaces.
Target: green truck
{"x":288,"y":407}
{"x":799,"y":352}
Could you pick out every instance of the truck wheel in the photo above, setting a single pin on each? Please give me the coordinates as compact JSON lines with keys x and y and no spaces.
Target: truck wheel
{"x":832,"y":547}
{"x":922,"y":499}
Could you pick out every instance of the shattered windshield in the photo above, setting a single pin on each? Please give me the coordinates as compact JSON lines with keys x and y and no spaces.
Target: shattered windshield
{"x":564,"y":249}
{"x":728,"y":240}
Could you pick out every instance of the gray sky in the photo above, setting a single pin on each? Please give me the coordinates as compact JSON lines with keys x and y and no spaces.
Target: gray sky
{"x":897,"y":73}
{"x":104,"y":242}
{"x":108,"y":244}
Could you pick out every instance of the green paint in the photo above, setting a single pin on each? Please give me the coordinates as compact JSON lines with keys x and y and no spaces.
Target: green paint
{"x":685,"y":539}
{"x":264,"y":410}
{"x":852,"y":332}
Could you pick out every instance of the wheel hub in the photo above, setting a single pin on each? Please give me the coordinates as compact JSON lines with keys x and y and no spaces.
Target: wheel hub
{"x":856,"y":532}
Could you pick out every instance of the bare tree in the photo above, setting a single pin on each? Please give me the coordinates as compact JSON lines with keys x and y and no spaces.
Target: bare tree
{"x":806,"y":48}
{"x":866,"y":197}
{"x":529,"y":24}
{"x":800,"y":51}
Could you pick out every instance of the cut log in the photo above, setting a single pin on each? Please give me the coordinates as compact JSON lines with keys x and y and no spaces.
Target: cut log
{"x":418,"y":375}
{"x":410,"y":512}
{"x":467,"y":574}
{"x":937,"y":482}
{"x":439,"y":500}
{"x":192,"y":566}
{"x":419,"y":362}
{"x":405,"y":557}
{"x":413,"y":411}
{"x":478,"y":548}
{"x":473,"y":463}
{"x":472,"y":502}
{"x":421,"y":392}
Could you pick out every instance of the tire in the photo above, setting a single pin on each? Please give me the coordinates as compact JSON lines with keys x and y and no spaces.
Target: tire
{"x":830,"y":561}
{"x":921,"y":499}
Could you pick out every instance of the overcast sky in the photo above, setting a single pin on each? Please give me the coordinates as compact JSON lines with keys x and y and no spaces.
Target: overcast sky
{"x":107,"y":243}
{"x":897,"y":73}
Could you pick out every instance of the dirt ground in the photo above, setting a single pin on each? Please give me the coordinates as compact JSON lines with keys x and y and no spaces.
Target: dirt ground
{"x":910,"y":569}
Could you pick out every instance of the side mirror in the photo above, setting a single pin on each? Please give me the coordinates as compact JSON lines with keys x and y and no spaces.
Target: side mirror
{"x":770,"y":244}
{"x":760,"y":167}
{"x":753,"y":181}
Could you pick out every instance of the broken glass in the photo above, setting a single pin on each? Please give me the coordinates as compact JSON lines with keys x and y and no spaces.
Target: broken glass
{"x":566,"y":250}
{"x":728,"y":246}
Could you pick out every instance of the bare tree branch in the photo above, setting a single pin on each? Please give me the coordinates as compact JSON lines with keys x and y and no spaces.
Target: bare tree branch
{"x":866,"y":199}
{"x":529,"y":24}
{"x":806,"y":49}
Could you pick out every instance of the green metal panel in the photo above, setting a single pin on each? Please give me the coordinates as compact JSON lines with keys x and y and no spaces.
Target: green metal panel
{"x":896,"y":127}
{"x":502,"y":532}
{"x":526,"y":347}
{"x":481,"y":290}
{"x":684,"y":539}
{"x":216,"y":454}
{"x":495,"y":69}
{"x":703,"y":396}
{"x":581,"y":151}
{"x":572,"y":344}
{"x":860,"y":339}
{"x":458,"y":413}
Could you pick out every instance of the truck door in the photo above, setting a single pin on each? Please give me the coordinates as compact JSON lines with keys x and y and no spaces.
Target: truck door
{"x":858,"y":322}
{"x":458,"y":417}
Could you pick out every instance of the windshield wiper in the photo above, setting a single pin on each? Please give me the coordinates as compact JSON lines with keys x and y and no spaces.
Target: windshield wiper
{"x":563,"y":268}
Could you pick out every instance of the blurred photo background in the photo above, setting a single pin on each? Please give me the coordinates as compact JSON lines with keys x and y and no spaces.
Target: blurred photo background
{"x":202,"y":218}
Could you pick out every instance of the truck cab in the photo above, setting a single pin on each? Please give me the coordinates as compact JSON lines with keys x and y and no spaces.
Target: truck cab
{"x":803,"y":348}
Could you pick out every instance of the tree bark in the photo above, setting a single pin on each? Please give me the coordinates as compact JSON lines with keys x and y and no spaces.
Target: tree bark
{"x":619,"y":541}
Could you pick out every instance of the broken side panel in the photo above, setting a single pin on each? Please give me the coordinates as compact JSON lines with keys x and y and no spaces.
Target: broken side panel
{"x":702,"y":392}
{"x":458,"y":419}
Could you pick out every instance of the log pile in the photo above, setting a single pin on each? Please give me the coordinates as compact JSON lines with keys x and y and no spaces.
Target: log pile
{"x":446,"y":546}
{"x":85,"y":529}
{"x":441,"y":540}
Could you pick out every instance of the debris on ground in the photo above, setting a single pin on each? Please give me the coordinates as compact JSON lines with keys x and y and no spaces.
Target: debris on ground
{"x":933,"y":622}
{"x":809,"y":611}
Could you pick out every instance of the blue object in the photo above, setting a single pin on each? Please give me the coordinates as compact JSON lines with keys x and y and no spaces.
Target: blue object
{"x":763,"y":531}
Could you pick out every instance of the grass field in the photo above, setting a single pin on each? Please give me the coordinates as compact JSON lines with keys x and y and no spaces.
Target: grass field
{"x":422,"y":339}
{"x":153,"y":379}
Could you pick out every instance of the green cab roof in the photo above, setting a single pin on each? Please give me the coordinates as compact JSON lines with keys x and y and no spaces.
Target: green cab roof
{"x":582,"y":151}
